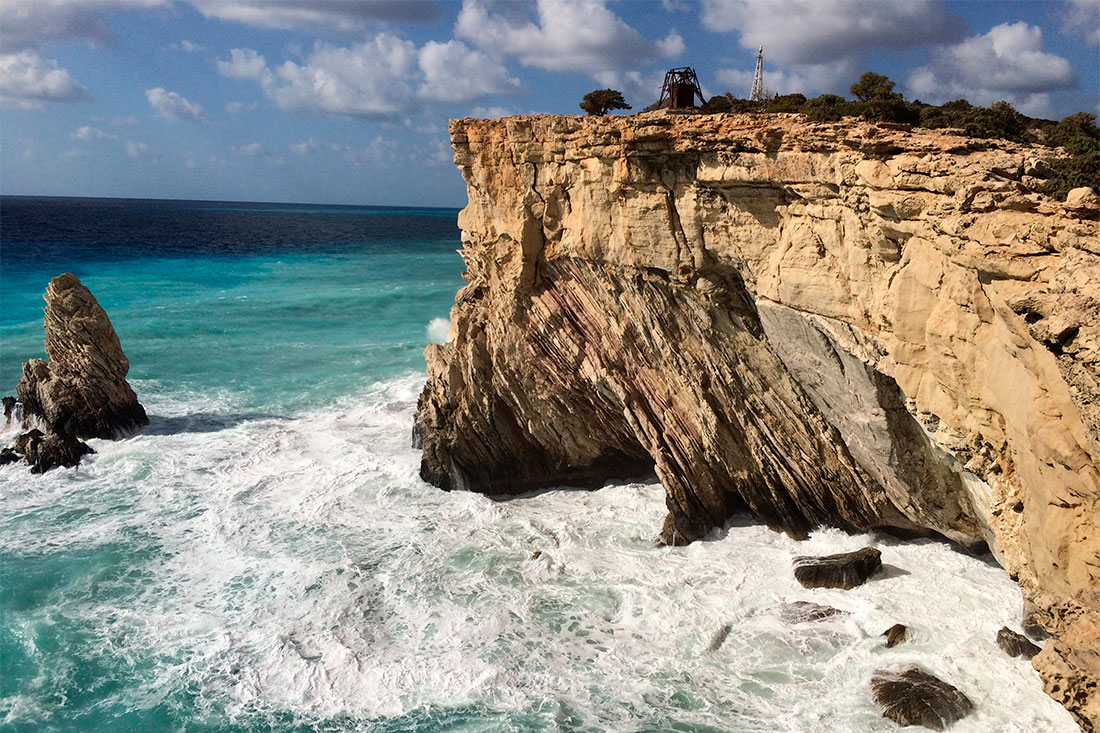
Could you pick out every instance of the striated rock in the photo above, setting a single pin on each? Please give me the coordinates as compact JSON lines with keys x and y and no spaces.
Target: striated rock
{"x":915,"y":697}
{"x":846,"y":570}
{"x":1015,"y":644}
{"x":840,"y":324}
{"x":895,"y":635}
{"x":82,"y":391}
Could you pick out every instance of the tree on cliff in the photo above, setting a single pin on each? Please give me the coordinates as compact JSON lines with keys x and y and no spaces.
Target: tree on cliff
{"x":880,"y":101}
{"x":602,"y":101}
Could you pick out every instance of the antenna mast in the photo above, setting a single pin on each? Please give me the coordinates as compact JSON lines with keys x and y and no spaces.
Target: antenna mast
{"x":757,"y":93}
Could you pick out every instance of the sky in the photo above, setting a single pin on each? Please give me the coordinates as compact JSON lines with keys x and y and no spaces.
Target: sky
{"x":347,"y":101}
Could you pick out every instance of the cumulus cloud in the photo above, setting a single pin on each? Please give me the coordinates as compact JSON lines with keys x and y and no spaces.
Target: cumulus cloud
{"x":1006,"y":63}
{"x":820,"y":31}
{"x":172,"y":106}
{"x":333,"y":16}
{"x":28,"y":24}
{"x":568,"y":35}
{"x":453,"y":72}
{"x":1082,"y":18}
{"x":380,"y":78}
{"x":243,"y":63}
{"x":28,"y":81}
{"x":88,"y":133}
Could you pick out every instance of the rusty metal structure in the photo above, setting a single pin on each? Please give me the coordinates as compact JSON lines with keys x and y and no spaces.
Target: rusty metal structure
{"x":680,"y":88}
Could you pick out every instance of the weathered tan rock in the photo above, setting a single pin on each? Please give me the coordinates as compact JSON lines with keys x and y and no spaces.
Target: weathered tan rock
{"x":82,"y":392}
{"x":840,"y":323}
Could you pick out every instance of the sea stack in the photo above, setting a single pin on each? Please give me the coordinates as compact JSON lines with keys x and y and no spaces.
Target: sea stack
{"x":848,"y":324}
{"x":81,"y":392}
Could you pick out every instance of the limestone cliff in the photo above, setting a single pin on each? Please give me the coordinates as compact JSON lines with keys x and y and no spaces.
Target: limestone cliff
{"x":843,"y":323}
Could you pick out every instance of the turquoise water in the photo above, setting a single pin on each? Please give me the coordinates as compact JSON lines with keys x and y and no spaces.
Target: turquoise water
{"x":265,"y":557}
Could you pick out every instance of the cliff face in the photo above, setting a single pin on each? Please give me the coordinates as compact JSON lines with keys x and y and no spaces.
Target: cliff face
{"x":841,"y":324}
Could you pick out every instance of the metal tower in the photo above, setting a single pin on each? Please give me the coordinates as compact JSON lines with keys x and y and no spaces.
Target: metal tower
{"x":757,"y":93}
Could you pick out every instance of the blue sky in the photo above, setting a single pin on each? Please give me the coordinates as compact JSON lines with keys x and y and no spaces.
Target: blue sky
{"x":347,"y":101}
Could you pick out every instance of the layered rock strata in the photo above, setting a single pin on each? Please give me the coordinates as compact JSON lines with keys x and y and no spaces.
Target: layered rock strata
{"x":82,"y":392}
{"x":836,"y":324}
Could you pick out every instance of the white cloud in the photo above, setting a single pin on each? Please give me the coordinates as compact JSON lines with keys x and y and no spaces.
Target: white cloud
{"x":172,"y":106}
{"x":27,"y":24}
{"x":138,"y":150}
{"x":243,"y":63}
{"x":1006,"y":63}
{"x":187,"y":47}
{"x":822,"y":31}
{"x":1082,"y":18}
{"x":88,"y":133}
{"x":28,"y":81}
{"x":569,"y":35}
{"x":334,"y":16}
{"x":305,"y":147}
{"x":380,"y":78}
{"x":453,"y":72}
{"x":252,"y":150}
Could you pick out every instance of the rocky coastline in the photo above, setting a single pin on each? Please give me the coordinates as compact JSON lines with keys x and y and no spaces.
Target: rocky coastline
{"x":830,"y":324}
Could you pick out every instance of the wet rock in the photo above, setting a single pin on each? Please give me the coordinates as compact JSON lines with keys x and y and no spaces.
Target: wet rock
{"x":804,"y":611}
{"x":915,"y":697}
{"x":895,"y":635}
{"x":719,"y":637}
{"x":54,"y":451}
{"x":7,"y":455}
{"x":26,"y":442}
{"x":82,"y":391}
{"x":9,"y":405}
{"x":1016,"y":645}
{"x":846,"y":570}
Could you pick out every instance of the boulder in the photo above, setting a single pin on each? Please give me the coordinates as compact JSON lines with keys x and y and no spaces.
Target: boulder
{"x":7,"y":455}
{"x":1083,"y":201}
{"x":82,"y":392}
{"x":846,"y":570}
{"x":53,"y":451}
{"x":895,"y":635}
{"x":915,"y":697}
{"x":1016,"y":645}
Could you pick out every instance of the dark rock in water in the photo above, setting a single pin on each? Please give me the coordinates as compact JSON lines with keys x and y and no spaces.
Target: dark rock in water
{"x":679,"y":529}
{"x":915,"y":697}
{"x":1016,"y":645}
{"x":720,"y":637}
{"x":9,"y":405}
{"x":7,"y":455}
{"x":25,"y":442}
{"x":802,"y":611}
{"x":895,"y":635}
{"x":846,"y":570}
{"x":55,"y":450}
{"x":82,"y":392}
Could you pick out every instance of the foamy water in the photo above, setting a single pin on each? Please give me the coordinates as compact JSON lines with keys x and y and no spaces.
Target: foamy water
{"x":276,"y":571}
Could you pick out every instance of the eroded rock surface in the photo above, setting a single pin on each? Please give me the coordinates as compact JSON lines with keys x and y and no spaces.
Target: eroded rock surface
{"x":832,"y":324}
{"x":82,"y":391}
{"x":1015,"y":644}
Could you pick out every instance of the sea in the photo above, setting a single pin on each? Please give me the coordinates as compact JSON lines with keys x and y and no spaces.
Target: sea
{"x":265,"y":557}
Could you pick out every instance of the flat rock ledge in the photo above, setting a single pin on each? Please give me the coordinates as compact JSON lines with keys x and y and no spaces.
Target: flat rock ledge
{"x":915,"y":697}
{"x":845,"y":570}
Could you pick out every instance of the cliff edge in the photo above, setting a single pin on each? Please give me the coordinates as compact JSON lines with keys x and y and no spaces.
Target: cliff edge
{"x":840,"y":324}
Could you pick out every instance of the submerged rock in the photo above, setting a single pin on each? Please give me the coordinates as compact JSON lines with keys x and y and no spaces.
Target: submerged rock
{"x":895,"y":635}
{"x":82,"y":392}
{"x":803,"y":611}
{"x":845,"y":570}
{"x":915,"y":697}
{"x":1016,"y":645}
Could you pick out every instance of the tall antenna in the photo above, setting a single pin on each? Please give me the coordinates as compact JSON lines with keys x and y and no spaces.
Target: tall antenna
{"x":757,"y":93}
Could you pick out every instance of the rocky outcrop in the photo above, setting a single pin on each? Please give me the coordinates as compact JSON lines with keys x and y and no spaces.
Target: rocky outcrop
{"x":895,"y":635}
{"x":1015,"y":644}
{"x":839,"y":324}
{"x":82,"y":392}
{"x":915,"y":697}
{"x":846,"y":570}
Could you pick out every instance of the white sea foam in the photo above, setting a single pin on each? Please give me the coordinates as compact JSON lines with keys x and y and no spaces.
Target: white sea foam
{"x":300,"y":567}
{"x":438,"y":328}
